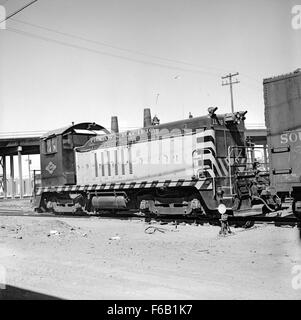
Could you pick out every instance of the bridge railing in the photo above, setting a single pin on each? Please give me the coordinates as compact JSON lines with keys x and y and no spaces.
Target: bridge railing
{"x":21,"y":134}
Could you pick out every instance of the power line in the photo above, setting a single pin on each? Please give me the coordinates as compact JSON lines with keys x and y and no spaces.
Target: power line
{"x":106,"y":44}
{"x":230,"y":83}
{"x":19,"y":10}
{"x":76,"y":46}
{"x":120,"y":48}
{"x":102,"y":43}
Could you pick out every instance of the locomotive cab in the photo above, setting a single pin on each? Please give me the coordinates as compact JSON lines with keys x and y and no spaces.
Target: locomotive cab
{"x":57,"y":152}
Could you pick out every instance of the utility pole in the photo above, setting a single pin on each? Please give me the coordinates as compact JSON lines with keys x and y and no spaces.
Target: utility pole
{"x":230,"y":83}
{"x":157,"y":98}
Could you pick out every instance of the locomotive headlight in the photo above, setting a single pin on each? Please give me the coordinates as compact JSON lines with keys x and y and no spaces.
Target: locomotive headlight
{"x":222,"y":208}
{"x":243,"y":115}
{"x":237,"y":115}
{"x":212,"y":111}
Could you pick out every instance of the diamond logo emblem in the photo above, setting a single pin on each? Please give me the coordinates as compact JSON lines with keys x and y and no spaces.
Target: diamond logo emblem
{"x":51,"y":167}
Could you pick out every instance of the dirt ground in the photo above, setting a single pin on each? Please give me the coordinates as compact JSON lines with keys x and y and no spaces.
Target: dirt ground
{"x":92,"y":258}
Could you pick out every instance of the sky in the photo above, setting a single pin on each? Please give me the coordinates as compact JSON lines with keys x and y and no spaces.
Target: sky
{"x":71,"y":60}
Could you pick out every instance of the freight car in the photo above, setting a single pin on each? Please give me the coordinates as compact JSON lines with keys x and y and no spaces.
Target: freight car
{"x":195,"y":166}
{"x":282,"y":95}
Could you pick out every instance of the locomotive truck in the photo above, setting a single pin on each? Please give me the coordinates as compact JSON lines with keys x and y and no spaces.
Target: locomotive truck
{"x":195,"y":166}
{"x":282,"y":95}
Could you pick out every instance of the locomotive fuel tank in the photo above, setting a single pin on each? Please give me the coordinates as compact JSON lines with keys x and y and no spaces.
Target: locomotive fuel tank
{"x":107,"y":201}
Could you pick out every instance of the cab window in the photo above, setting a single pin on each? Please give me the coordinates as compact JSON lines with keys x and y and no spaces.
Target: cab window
{"x":67,"y":142}
{"x":51,"y":145}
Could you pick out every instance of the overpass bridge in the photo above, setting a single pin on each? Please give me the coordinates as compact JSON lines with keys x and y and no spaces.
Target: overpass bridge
{"x":28,"y":143}
{"x":16,"y":144}
{"x":257,"y":134}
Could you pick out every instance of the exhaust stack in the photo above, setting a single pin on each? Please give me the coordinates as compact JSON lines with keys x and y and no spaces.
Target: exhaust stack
{"x":114,"y":124}
{"x":147,"y":119}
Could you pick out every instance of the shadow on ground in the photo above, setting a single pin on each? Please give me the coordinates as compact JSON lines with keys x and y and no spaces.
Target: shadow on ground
{"x":15,"y":293}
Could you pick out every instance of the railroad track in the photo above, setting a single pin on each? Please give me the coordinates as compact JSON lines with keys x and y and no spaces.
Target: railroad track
{"x":288,"y":220}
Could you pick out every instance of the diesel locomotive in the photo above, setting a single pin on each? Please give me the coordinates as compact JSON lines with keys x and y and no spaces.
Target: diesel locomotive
{"x":197,"y":166}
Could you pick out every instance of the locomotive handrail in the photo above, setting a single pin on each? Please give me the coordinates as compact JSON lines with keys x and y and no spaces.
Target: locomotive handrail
{"x":213,"y":180}
{"x":252,"y":148}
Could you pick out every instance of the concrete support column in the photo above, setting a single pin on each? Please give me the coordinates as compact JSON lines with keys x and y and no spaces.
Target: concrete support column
{"x":29,"y":175}
{"x":12,"y":176}
{"x":4,"y":177}
{"x":20,"y":171}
